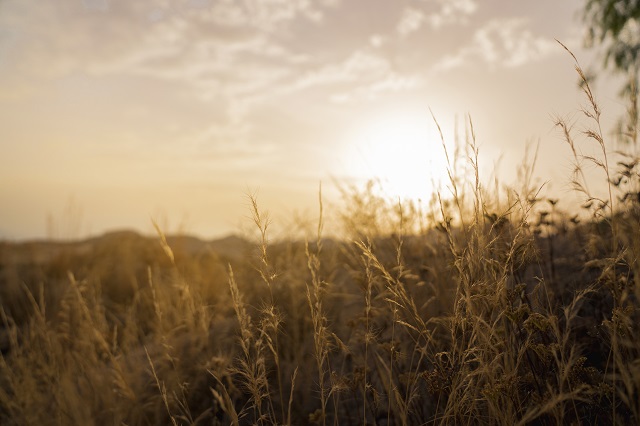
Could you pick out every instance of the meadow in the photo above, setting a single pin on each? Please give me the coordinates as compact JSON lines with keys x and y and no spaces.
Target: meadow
{"x":490,"y":304}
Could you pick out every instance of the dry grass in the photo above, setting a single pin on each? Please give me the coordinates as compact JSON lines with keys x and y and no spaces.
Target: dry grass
{"x":488,"y":306}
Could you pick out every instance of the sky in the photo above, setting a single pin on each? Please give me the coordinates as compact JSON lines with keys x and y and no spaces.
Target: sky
{"x":117,"y":112}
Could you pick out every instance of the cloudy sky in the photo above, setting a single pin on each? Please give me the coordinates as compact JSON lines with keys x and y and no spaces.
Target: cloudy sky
{"x":116,"y":111}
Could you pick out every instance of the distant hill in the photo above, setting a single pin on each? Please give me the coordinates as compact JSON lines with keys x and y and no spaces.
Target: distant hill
{"x":43,"y":251}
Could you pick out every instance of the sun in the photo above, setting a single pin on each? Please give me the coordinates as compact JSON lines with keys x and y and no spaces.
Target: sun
{"x":401,"y":149}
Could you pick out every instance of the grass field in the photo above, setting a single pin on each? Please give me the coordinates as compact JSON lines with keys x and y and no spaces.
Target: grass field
{"x":488,"y":305}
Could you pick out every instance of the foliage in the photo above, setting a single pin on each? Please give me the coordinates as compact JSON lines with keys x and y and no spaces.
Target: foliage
{"x":616,"y":23}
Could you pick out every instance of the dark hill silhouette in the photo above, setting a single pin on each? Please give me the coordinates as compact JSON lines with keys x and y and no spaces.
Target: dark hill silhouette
{"x":41,"y":251}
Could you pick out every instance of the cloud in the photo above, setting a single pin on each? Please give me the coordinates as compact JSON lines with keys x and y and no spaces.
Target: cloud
{"x":451,"y":12}
{"x":502,"y":42}
{"x":225,"y":56}
{"x":435,"y":13}
{"x":363,"y":75}
{"x":53,"y":39}
{"x":393,"y":82}
{"x":358,"y":66}
{"x":223,"y":51}
{"x":410,"y":21}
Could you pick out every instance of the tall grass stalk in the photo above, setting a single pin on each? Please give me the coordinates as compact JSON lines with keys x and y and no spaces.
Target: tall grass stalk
{"x":270,"y":327}
{"x":321,"y":333}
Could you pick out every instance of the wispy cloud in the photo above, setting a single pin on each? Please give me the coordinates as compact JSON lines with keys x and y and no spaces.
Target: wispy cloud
{"x":364,"y":74}
{"x":451,"y":12}
{"x":410,"y":21}
{"x":436,"y":14}
{"x":52,"y":39}
{"x":357,"y":66}
{"x":503,"y":43}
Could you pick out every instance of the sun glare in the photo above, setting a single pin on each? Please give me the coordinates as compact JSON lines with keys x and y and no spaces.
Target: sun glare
{"x":403,"y":150}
